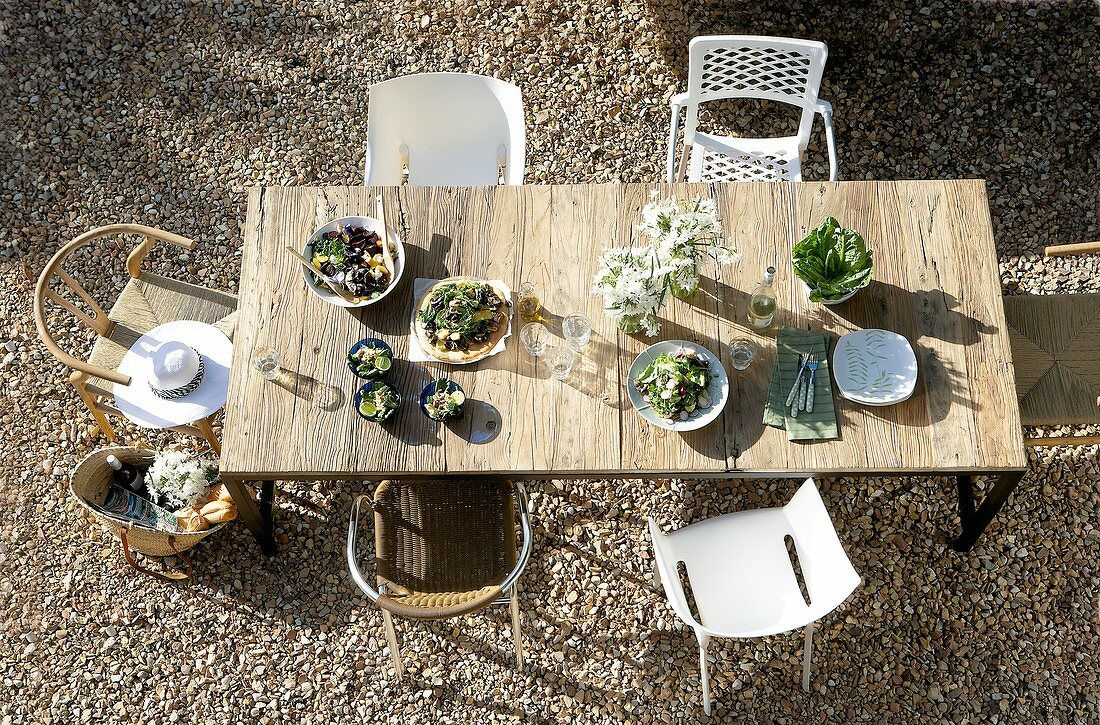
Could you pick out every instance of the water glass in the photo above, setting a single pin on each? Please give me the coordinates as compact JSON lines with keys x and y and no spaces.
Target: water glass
{"x":742,"y":352}
{"x":577,"y":330}
{"x":534,"y":336}
{"x":559,"y":361}
{"x":266,"y":360}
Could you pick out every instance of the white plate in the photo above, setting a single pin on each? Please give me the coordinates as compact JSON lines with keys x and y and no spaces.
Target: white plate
{"x":874,"y":367}
{"x":321,"y":289}
{"x":718,"y":391}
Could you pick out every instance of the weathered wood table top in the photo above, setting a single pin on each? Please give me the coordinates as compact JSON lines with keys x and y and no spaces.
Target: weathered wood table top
{"x":937,"y":282}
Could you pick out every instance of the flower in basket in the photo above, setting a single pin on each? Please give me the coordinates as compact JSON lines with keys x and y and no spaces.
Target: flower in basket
{"x":176,"y":479}
{"x":681,"y":232}
{"x":631,"y":281}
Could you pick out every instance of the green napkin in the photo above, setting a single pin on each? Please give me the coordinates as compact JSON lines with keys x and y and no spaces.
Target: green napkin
{"x":821,"y":422}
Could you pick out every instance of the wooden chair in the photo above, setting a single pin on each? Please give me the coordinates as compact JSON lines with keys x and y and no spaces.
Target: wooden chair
{"x":443,"y":549}
{"x":146,"y":301}
{"x":1055,"y":345}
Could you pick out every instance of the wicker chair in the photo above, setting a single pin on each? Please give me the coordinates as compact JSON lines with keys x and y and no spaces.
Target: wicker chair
{"x":147,"y":300}
{"x":1055,"y":341}
{"x":443,"y":549}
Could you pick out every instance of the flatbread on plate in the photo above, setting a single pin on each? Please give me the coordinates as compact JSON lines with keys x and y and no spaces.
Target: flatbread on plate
{"x":475,"y":351}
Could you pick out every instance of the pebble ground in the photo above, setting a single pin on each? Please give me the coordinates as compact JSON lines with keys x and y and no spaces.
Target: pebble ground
{"x":166,"y":112}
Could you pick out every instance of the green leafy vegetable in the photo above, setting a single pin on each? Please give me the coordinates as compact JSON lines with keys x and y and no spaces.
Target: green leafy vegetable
{"x":832,"y":261}
{"x":675,"y":385}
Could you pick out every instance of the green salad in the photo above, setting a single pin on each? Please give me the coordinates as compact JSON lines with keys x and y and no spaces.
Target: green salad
{"x":372,"y":359}
{"x":675,"y":385}
{"x":378,"y":401}
{"x":832,"y":261}
{"x":443,"y":401}
{"x":461,"y":315}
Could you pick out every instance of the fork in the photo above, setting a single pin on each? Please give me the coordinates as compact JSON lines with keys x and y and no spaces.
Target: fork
{"x":812,"y":366}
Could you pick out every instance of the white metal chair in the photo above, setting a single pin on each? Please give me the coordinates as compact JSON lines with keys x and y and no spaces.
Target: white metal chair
{"x":742,"y":577}
{"x":721,"y":67}
{"x":440,"y":129}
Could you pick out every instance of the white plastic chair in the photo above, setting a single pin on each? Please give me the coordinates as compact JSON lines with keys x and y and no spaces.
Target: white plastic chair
{"x":742,"y":577}
{"x":786,"y":70}
{"x":440,"y":129}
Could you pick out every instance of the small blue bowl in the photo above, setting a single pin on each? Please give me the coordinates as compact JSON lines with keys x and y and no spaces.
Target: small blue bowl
{"x":430,"y":389}
{"x":377,"y":417}
{"x":376,"y":344}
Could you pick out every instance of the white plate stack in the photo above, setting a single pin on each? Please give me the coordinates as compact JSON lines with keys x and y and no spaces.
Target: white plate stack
{"x":874,"y":367}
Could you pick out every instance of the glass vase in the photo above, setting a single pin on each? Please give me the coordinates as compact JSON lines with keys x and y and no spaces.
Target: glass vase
{"x":685,"y":281}
{"x":634,"y":324}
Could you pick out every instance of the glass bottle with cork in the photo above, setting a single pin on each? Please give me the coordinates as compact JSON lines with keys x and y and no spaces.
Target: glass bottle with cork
{"x":762,"y":304}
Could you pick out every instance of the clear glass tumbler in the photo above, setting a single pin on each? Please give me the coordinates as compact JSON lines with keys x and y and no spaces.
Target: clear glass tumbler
{"x":577,"y":330}
{"x":742,"y":352}
{"x":534,"y":336}
{"x":266,"y":360}
{"x":559,"y":361}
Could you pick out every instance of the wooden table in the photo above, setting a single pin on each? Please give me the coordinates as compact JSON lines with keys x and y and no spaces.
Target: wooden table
{"x":937,"y":282}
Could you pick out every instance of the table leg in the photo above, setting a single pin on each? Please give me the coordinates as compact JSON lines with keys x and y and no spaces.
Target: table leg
{"x":257,"y":516}
{"x":975,"y":521}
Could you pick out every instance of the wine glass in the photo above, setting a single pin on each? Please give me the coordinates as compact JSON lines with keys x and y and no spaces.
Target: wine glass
{"x":266,"y":360}
{"x":577,"y":330}
{"x":533,"y":336}
{"x":559,"y":361}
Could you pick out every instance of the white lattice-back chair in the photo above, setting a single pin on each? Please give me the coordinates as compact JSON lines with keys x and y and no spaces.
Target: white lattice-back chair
{"x":441,"y":129}
{"x":721,"y":67}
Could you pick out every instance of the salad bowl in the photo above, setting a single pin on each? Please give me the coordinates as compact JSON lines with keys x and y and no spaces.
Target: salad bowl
{"x":685,"y":364}
{"x":320,"y":289}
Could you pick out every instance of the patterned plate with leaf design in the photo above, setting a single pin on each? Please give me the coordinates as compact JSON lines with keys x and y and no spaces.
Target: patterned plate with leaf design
{"x":874,"y":367}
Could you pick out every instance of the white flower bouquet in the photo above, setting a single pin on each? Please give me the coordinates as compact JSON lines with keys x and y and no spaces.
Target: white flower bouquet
{"x":633,"y":280}
{"x":682,"y":232}
{"x":176,"y":479}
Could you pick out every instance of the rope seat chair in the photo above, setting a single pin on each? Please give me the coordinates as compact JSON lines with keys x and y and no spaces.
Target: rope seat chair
{"x":1055,"y":339}
{"x":147,"y":300}
{"x":444,"y":548}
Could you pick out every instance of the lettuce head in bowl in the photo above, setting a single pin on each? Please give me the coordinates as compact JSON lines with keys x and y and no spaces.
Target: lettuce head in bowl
{"x":834,"y":262}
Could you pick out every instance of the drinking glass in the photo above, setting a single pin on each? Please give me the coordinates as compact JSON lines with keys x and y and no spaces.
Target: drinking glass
{"x":742,"y":352}
{"x":533,"y":336}
{"x":559,"y":361}
{"x":266,"y":360}
{"x":577,"y":330}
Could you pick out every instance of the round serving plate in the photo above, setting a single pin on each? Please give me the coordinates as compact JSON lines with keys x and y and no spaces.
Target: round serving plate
{"x":718,"y":391}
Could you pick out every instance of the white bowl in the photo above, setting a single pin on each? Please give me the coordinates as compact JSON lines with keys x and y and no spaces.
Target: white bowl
{"x":845,"y":298}
{"x":322,"y":290}
{"x":718,"y":391}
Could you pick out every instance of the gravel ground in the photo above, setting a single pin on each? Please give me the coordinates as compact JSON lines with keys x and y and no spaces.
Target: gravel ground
{"x":166,"y":112}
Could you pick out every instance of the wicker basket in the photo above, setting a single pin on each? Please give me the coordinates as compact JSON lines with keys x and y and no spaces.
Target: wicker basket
{"x":89,"y":485}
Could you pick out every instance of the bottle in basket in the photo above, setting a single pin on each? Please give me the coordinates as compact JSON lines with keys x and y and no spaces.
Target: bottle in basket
{"x":126,"y":475}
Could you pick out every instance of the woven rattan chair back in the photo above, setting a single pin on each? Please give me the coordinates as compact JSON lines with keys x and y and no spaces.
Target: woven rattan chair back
{"x":454,"y":539}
